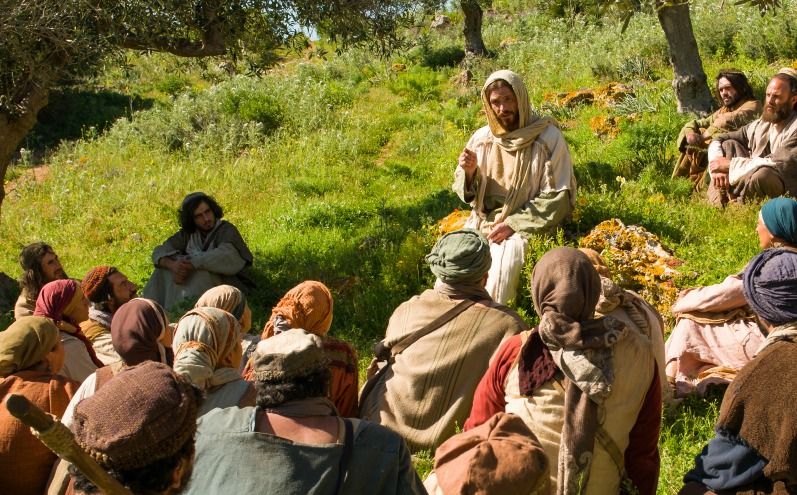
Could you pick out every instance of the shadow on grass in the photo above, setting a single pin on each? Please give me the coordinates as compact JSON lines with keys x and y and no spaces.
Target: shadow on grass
{"x":371,"y":267}
{"x":75,"y":113}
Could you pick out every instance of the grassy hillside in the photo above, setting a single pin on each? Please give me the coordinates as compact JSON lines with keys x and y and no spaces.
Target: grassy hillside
{"x":338,"y":169}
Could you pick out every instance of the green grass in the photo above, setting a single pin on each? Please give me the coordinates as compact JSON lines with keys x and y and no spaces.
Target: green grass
{"x":336,"y":169}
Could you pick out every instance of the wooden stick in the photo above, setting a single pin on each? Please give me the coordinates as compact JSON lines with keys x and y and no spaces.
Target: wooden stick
{"x":59,"y":439}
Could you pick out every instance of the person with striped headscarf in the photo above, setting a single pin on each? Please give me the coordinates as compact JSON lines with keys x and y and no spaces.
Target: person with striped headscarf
{"x":233,"y":301}
{"x":207,"y":350}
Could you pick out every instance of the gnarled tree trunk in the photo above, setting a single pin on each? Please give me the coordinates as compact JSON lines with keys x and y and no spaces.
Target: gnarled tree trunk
{"x":14,"y":128}
{"x":689,"y":79}
{"x":474,"y":44}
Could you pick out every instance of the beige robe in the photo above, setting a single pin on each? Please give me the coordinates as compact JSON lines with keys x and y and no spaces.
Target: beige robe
{"x":543,"y":412}
{"x":550,"y":197}
{"x":429,"y":390}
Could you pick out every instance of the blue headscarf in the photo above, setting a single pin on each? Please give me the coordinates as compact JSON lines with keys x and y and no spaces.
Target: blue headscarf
{"x":780,"y":218}
{"x":770,"y":285}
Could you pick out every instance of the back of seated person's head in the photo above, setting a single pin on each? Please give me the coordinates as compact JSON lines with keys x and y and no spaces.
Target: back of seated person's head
{"x":461,"y":257}
{"x":499,"y":457}
{"x":770,"y":287}
{"x":290,"y":366}
{"x":140,"y":428}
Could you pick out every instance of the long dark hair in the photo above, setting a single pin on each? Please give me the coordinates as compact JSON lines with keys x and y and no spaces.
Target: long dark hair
{"x":739,"y":82}
{"x":186,"y":214}
{"x":30,"y":259}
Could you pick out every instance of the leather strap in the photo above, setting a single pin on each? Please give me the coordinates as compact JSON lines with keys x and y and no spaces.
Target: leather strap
{"x":348,"y":448}
{"x":383,"y":352}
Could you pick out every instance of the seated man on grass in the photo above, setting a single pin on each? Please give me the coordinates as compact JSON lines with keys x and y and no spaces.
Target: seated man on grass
{"x":448,"y":335}
{"x":739,"y":108}
{"x":759,"y":161}
{"x":207,"y":251}
{"x":295,"y":442}
{"x":517,"y":174}
{"x":108,"y":289}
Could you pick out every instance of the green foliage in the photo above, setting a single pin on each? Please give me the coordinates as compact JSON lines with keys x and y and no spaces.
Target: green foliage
{"x":418,"y":84}
{"x":251,"y":106}
{"x":337,"y":169}
{"x":75,"y":113}
{"x":173,"y":84}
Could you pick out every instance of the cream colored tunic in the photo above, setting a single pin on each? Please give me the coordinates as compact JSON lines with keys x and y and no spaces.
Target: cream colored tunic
{"x":543,"y":412}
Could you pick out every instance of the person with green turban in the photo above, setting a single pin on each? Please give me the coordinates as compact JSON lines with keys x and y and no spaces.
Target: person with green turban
{"x":448,"y":335}
{"x":31,"y":355}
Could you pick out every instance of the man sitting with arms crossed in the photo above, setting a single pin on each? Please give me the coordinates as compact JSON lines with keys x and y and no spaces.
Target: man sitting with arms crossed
{"x":206,"y":252}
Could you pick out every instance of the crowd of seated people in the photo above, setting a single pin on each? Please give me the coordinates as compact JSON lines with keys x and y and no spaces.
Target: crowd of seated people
{"x":571,"y":406}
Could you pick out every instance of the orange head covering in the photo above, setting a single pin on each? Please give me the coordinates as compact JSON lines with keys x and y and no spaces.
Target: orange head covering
{"x":307,"y":306}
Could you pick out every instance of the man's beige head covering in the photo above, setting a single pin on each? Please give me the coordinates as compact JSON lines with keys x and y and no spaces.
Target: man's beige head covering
{"x":522,"y":95}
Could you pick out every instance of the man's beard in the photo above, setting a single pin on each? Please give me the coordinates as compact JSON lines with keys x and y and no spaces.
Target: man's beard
{"x":733,"y":103}
{"x":509,"y":123}
{"x":779,"y":114}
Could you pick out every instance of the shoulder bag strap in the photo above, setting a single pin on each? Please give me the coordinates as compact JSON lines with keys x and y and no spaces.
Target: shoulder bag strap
{"x":383,"y":352}
{"x":348,"y":448}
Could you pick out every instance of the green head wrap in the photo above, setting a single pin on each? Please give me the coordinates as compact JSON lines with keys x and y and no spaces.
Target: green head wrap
{"x":780,"y":218}
{"x":25,"y":343}
{"x":461,"y":256}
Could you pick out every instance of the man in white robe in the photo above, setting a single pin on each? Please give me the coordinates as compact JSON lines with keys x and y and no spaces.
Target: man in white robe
{"x":517,"y":174}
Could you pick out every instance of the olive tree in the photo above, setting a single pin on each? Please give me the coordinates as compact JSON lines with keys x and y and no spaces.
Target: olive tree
{"x":46,"y":42}
{"x":689,"y":78}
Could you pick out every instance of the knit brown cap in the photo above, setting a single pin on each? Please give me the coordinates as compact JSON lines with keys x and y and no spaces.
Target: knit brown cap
{"x":95,"y":280}
{"x":288,"y":355}
{"x":144,"y":414}
{"x":499,"y":457}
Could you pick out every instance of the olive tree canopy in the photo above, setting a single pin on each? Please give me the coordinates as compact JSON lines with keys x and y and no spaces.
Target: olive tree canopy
{"x":46,"y":42}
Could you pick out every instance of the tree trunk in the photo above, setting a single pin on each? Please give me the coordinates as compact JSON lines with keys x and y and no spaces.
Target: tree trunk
{"x":13,"y":129}
{"x":474,"y":45}
{"x":689,"y":80}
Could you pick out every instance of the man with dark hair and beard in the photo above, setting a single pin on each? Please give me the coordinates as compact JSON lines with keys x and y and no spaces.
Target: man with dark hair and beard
{"x":759,"y":160}
{"x":206,"y":252}
{"x":108,"y":289}
{"x":739,"y":108}
{"x":41,"y":266}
